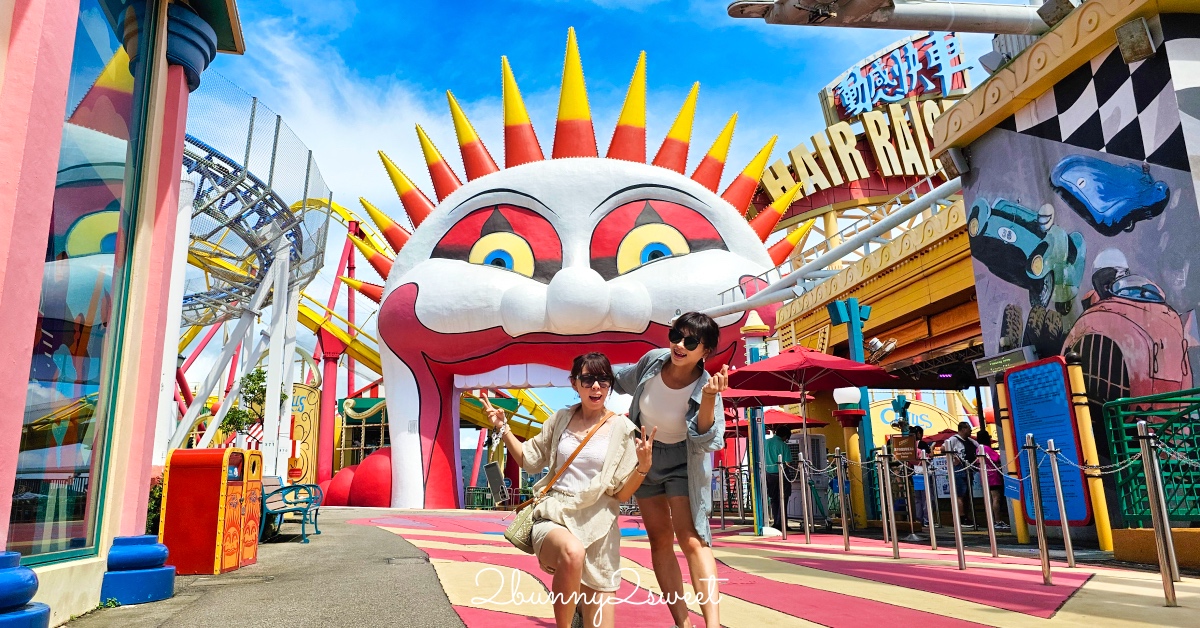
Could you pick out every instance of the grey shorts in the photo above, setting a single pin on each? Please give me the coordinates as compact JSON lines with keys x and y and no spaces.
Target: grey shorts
{"x":668,"y":472}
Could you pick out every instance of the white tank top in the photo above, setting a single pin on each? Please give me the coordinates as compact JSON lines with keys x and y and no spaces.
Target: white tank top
{"x":665,"y":408}
{"x":586,"y":465}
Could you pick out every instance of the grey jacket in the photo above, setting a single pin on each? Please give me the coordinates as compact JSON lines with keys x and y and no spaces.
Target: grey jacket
{"x":631,"y":380}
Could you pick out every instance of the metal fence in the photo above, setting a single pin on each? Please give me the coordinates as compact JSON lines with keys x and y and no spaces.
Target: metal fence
{"x":1175,"y":417}
{"x":251,"y":173}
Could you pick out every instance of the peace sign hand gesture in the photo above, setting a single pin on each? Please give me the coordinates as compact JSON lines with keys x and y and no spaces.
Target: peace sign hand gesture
{"x":495,"y":415}
{"x":718,"y":382}
{"x":645,"y":449}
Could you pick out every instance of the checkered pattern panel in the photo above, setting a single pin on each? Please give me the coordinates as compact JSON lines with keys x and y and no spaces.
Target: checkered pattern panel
{"x":1181,"y":33}
{"x":1113,"y":107}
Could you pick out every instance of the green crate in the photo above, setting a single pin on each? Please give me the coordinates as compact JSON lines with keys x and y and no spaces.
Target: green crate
{"x":1175,"y":417}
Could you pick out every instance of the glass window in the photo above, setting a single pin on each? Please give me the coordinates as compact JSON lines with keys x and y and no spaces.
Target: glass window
{"x":56,"y":494}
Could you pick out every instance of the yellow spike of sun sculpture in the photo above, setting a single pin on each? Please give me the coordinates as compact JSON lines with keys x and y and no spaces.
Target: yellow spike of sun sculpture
{"x":512,"y":273}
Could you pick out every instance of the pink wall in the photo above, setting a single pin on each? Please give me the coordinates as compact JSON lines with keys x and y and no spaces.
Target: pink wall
{"x":33,"y":102}
{"x":156,"y":295}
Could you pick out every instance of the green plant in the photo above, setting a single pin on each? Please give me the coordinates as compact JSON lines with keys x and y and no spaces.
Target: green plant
{"x":154,"y":505}
{"x":251,"y":401}
{"x":109,"y":603}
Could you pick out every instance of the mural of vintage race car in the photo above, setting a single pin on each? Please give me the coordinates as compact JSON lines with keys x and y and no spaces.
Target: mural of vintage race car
{"x":1111,"y":198}
{"x":1025,"y":248}
{"x":1132,"y":343}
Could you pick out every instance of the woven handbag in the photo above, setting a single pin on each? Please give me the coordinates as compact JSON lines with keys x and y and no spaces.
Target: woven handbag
{"x":520,"y":531}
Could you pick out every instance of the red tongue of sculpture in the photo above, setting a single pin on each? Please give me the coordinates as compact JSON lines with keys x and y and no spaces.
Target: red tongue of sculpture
{"x":435,"y":358}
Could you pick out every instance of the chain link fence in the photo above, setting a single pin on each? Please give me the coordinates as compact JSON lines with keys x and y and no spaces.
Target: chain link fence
{"x":252,"y":176}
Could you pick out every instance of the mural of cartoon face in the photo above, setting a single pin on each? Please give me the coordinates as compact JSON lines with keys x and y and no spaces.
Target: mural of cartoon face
{"x":519,"y":270}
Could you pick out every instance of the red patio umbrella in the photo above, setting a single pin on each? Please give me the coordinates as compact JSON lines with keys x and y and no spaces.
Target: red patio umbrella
{"x":739,"y":398}
{"x":804,"y":370}
{"x":774,"y":416}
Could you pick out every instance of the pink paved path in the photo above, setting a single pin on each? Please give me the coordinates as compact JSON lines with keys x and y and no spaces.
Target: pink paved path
{"x":1001,"y":585}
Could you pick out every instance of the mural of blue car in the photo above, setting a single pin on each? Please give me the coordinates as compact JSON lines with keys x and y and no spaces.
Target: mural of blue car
{"x":1025,"y":248}
{"x":1111,"y":198}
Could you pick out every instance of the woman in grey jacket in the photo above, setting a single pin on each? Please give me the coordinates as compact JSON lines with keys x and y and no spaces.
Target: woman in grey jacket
{"x":673,"y":394}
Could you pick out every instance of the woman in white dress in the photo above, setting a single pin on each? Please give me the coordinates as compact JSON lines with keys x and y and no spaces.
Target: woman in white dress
{"x":576,"y":536}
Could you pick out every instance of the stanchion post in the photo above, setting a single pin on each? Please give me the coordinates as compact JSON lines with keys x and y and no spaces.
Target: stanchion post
{"x":724,"y":474}
{"x":929,"y":489}
{"x":1163,"y":509}
{"x":886,"y":459}
{"x":1149,"y":461}
{"x":1039,"y":516}
{"x":741,"y":497}
{"x":983,"y":461}
{"x":804,"y":499}
{"x":841,"y":477}
{"x":782,"y":501}
{"x":954,"y":513}
{"x":1062,"y":503}
{"x":883,"y":509}
{"x":1091,"y":458}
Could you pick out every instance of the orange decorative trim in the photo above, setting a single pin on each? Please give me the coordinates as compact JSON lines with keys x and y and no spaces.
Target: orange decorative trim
{"x":910,"y":244}
{"x":1082,"y":35}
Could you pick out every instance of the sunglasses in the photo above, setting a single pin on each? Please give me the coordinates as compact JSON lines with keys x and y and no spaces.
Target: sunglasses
{"x":689,"y":342}
{"x":587,"y":381}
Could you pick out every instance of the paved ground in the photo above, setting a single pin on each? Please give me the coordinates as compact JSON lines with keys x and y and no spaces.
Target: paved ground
{"x":453,"y":568}
{"x":350,"y":575}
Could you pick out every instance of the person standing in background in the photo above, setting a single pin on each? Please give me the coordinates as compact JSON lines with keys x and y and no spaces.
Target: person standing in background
{"x":995,"y":478}
{"x":774,"y":447}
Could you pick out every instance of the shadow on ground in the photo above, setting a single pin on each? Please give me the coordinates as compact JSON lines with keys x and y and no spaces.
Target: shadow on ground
{"x":350,"y":575}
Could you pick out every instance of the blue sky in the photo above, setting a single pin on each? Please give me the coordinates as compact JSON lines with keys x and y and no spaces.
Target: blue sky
{"x":354,"y":77}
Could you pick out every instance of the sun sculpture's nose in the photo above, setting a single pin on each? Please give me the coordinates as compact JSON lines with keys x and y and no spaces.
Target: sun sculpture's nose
{"x":577,"y":301}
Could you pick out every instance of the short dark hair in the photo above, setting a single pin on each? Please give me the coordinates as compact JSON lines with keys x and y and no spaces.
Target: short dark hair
{"x":783,"y":433}
{"x":984,"y":437}
{"x":596,"y":363}
{"x":701,"y":327}
{"x":963,"y":425}
{"x":916,"y":429}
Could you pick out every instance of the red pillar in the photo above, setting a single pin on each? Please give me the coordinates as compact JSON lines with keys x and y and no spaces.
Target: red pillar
{"x":33,"y":97}
{"x":159,"y":229}
{"x":478,"y":459}
{"x":350,"y":305}
{"x":331,"y":350}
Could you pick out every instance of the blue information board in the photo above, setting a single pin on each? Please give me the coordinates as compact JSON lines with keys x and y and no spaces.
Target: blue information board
{"x":1012,"y":488}
{"x":1040,"y":404}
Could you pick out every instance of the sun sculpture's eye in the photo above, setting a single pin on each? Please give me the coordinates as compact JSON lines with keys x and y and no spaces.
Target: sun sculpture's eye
{"x":642,"y":232}
{"x":503,"y":250}
{"x":505,"y":237}
{"x":649,"y":243}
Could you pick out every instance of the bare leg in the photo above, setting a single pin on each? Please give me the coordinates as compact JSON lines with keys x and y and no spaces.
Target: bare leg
{"x":701,"y":564}
{"x":656,"y":514}
{"x":562,"y":555}
{"x":595,"y":609}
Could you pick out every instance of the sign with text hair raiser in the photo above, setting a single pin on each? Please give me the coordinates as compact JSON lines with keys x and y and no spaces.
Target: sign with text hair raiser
{"x":928,"y":65}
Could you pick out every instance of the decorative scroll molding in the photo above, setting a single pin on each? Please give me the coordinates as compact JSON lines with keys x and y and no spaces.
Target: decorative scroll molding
{"x":1085,"y":33}
{"x":911,"y":243}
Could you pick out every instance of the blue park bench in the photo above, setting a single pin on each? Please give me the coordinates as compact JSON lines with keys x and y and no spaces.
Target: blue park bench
{"x":303,"y":500}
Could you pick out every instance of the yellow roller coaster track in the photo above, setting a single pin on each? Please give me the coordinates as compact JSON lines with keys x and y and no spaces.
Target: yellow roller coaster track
{"x":361,"y":346}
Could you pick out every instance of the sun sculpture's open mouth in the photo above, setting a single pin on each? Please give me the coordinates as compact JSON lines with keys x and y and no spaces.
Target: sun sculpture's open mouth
{"x":509,"y":276}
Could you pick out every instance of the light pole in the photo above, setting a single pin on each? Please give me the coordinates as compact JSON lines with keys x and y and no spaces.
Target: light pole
{"x":755,"y":335}
{"x":850,"y":414}
{"x":852,"y":315}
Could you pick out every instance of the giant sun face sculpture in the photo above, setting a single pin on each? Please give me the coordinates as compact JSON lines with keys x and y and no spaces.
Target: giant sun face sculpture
{"x":513,"y":273}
